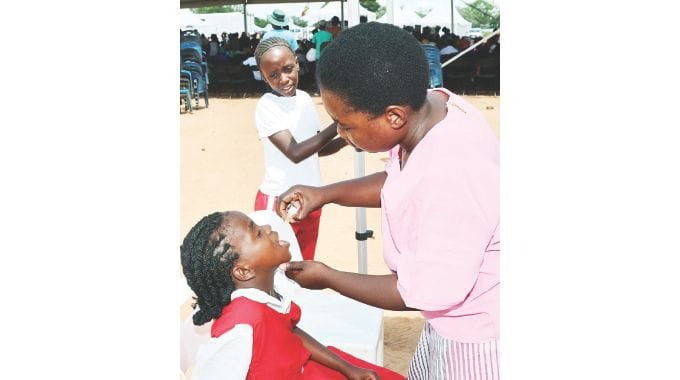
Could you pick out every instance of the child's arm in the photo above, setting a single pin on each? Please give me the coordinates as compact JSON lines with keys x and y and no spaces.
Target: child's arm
{"x":333,"y":147}
{"x":322,"y":355}
{"x":298,"y":151}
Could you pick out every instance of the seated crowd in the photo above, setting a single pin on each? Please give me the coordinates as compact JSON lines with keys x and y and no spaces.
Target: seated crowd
{"x":231,"y":56}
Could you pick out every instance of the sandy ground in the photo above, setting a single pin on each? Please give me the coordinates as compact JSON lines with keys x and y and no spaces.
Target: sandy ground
{"x":221,"y":166}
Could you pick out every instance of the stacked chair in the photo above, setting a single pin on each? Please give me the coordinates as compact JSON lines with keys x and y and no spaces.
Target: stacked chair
{"x":193,"y":69}
{"x":185,"y":88}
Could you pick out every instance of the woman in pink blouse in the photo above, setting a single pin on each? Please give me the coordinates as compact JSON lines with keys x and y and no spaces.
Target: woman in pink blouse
{"x":439,"y":197}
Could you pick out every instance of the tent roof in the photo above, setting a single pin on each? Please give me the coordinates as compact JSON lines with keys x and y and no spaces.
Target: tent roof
{"x":210,"y":3}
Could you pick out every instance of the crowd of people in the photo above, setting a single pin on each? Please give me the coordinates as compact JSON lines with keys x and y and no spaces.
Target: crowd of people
{"x":230,"y":55}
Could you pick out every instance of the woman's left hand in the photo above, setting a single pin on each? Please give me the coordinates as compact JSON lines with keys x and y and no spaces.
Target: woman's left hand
{"x":309,"y":274}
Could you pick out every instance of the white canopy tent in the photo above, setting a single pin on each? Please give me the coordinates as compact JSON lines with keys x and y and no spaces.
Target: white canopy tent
{"x":217,"y":23}
{"x":436,"y":13}
{"x":399,"y":12}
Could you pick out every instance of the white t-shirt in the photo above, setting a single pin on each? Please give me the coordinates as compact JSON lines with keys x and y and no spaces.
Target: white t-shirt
{"x":448,"y":49}
{"x":251,"y":61}
{"x":311,"y":55}
{"x":298,"y":115}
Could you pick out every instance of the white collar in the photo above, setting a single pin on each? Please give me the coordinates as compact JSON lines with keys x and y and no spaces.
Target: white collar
{"x":281,"y":286}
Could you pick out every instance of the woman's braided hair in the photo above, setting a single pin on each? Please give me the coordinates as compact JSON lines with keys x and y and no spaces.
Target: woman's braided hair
{"x":207,"y":260}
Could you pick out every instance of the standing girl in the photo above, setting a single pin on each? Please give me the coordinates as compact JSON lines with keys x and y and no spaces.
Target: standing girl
{"x":288,"y":126}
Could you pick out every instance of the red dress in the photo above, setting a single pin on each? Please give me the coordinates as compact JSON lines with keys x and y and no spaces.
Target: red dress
{"x":277,"y":352}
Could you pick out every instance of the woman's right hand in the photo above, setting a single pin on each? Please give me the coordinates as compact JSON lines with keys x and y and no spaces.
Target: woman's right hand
{"x":307,"y":198}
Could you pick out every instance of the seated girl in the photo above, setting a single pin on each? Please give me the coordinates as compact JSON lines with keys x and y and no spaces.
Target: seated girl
{"x":230,"y":263}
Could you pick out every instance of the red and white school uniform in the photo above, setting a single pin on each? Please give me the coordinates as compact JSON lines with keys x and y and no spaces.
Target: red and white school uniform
{"x":253,"y":339}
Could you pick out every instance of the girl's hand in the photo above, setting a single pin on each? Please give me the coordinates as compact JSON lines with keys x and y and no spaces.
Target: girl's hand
{"x":309,"y":274}
{"x":357,"y":373}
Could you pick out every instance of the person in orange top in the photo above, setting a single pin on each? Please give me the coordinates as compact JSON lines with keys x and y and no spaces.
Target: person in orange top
{"x":334,"y":28}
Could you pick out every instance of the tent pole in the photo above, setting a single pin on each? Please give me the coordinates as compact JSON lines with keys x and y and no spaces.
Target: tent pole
{"x":342,"y":14}
{"x":245,"y":18}
{"x":453,"y":23}
{"x":360,"y":212}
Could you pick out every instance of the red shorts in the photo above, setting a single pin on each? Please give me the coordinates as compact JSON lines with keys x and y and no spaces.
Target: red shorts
{"x":306,"y":231}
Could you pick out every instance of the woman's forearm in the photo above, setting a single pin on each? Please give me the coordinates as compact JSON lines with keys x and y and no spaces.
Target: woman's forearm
{"x":358,"y":192}
{"x":375,"y":290}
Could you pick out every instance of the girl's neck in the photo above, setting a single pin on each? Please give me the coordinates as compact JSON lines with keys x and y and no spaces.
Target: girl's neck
{"x":285,"y":96}
{"x":263,"y":283}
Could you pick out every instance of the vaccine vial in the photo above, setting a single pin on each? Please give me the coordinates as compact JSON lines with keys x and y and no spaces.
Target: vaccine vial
{"x":292,"y":209}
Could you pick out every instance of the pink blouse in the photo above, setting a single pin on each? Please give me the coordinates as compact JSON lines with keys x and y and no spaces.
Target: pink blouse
{"x":440,"y":225}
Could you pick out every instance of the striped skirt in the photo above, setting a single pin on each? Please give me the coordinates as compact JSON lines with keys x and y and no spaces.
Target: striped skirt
{"x":438,"y":358}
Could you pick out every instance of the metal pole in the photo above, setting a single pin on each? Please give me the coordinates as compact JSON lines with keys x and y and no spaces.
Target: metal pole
{"x":245,"y":19}
{"x":342,"y":14}
{"x":453,"y":21}
{"x":360,"y":212}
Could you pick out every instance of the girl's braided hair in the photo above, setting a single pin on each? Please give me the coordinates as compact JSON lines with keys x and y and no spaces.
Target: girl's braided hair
{"x":207,"y":260}
{"x":267,"y":44}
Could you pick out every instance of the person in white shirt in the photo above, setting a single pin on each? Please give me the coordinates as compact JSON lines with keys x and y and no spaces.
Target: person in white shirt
{"x":257,"y":76}
{"x":289,"y":128}
{"x":230,"y":264}
{"x":447,"y":46}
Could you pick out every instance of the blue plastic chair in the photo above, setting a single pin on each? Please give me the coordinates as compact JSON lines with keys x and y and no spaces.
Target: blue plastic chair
{"x":433,"y":60}
{"x":192,"y":59}
{"x":186,"y":89}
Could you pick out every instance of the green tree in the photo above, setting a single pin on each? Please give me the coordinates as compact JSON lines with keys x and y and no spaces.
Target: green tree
{"x":370,"y":5}
{"x":298,"y":21}
{"x":261,"y":23}
{"x":481,"y":14}
{"x":373,"y":6}
{"x":219,"y":9}
{"x":380,"y":12}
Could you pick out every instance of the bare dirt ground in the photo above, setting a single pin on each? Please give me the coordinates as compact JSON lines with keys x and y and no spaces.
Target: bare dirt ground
{"x":221,"y":166}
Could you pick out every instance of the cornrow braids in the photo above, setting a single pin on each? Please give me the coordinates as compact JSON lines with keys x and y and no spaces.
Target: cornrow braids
{"x":207,"y":260}
{"x":267,"y":44}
